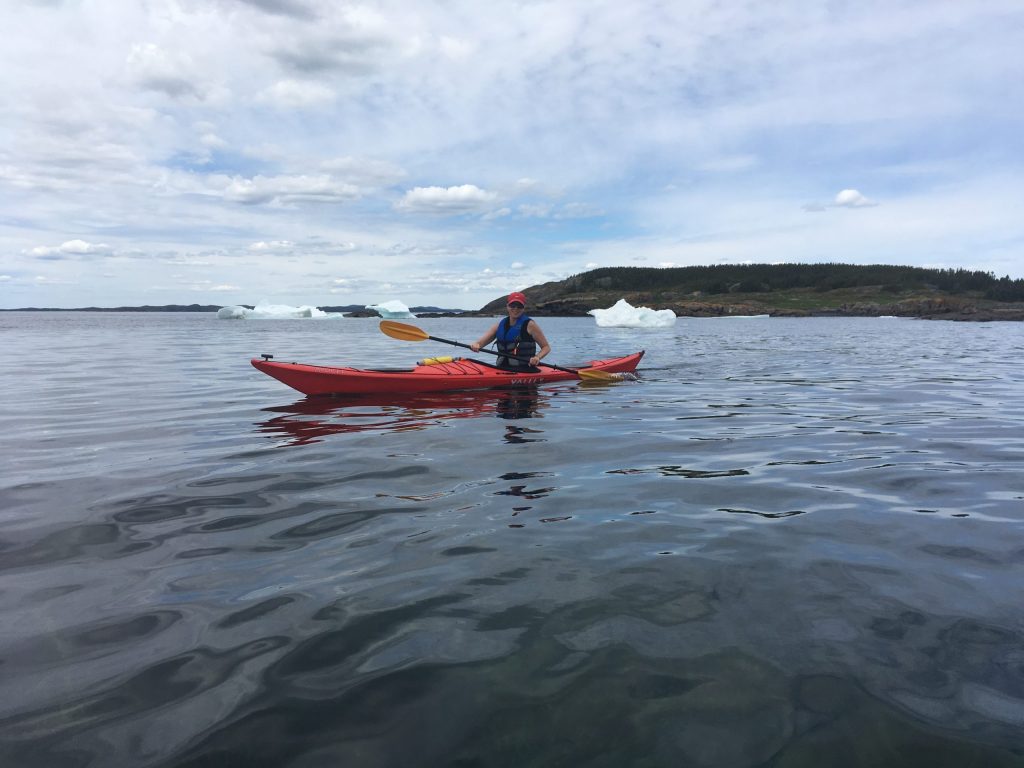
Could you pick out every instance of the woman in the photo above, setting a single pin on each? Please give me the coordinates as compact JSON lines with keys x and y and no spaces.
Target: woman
{"x":516,"y":335}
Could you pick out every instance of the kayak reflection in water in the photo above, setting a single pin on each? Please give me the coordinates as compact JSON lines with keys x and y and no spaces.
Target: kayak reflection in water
{"x":518,"y":334}
{"x":312,"y":419}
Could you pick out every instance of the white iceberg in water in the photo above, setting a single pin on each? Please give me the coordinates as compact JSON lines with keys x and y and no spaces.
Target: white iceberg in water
{"x":274,"y":312}
{"x":390,"y":310}
{"x":624,"y":315}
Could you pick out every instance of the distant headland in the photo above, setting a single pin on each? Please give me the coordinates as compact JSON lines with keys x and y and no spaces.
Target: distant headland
{"x":784,"y":290}
{"x":778,"y":290}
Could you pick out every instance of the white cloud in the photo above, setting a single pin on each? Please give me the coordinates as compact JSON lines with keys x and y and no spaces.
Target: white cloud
{"x":296,"y":94}
{"x":851,"y":198}
{"x":288,"y":189}
{"x":70,"y":249}
{"x":455,"y":48}
{"x":211,"y":140}
{"x":500,"y":213}
{"x":172,"y":74}
{"x":82,"y":247}
{"x":535,"y":210}
{"x":467,"y":198}
{"x":273,"y":246}
{"x":847,"y":198}
{"x":339,"y":247}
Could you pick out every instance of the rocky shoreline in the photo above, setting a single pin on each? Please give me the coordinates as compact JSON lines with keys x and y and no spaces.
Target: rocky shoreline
{"x":937,"y":308}
{"x":926,"y":309}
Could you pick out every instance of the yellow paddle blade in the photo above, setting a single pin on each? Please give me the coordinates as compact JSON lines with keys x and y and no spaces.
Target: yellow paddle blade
{"x":403,"y":331}
{"x":598,"y":375}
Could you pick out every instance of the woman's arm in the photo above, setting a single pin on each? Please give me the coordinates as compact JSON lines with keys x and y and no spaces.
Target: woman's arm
{"x":541,"y":339}
{"x":486,"y":339}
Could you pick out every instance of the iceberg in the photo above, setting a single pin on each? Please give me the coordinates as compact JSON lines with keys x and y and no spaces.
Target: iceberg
{"x":275,"y":312}
{"x":391,"y":310}
{"x":624,"y":315}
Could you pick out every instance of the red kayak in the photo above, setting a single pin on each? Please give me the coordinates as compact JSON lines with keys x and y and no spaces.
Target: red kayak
{"x":439,"y":377}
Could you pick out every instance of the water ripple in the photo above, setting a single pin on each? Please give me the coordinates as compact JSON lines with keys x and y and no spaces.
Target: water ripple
{"x":787,"y":539}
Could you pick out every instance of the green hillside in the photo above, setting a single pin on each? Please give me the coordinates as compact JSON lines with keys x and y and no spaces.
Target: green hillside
{"x":785,"y":290}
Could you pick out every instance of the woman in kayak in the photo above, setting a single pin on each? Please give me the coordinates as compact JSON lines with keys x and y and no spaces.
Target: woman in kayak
{"x":517,"y":335}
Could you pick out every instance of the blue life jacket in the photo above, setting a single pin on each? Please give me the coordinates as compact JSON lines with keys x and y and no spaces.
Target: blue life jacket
{"x":515,"y":340}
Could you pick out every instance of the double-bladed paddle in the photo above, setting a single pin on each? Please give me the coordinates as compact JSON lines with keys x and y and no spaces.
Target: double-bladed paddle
{"x":406,"y":332}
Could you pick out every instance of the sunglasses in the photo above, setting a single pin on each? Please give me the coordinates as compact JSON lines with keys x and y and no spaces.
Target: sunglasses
{"x":516,"y":305}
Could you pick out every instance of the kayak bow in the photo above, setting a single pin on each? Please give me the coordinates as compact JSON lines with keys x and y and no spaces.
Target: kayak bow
{"x":440,"y":377}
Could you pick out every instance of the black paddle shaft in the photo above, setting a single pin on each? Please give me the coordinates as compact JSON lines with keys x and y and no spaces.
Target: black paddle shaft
{"x":500,"y":354}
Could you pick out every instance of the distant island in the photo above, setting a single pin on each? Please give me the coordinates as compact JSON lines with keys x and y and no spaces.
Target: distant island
{"x":779,"y":290}
{"x":146,"y":308}
{"x":355,"y":310}
{"x":784,"y":290}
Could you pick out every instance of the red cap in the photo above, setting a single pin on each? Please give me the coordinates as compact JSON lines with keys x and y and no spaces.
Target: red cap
{"x":516,"y":296}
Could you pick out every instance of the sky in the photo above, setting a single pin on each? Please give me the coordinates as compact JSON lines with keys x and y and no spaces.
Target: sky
{"x":445,"y":152}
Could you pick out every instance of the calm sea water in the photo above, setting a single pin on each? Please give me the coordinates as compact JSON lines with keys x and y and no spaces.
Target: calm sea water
{"x":791,"y":543}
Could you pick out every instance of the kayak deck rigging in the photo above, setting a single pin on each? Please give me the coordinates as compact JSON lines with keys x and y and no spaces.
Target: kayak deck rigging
{"x":452,"y":368}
